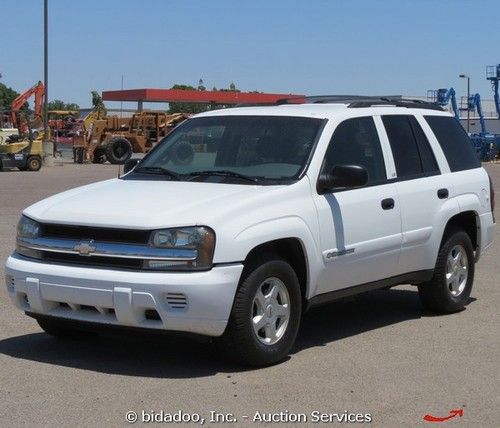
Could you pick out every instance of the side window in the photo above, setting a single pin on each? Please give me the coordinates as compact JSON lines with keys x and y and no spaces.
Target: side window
{"x":454,"y":141}
{"x":355,"y":142}
{"x":403,"y":145}
{"x":427,"y":157}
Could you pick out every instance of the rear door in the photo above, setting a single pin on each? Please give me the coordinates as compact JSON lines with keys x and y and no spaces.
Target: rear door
{"x":419,"y":186}
{"x":360,"y":228}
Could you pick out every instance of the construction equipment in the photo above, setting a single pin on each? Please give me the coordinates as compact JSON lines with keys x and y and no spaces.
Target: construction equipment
{"x":493,"y":75}
{"x":22,"y":151}
{"x":38,"y":91}
{"x":6,"y":129}
{"x":88,"y":138}
{"x":145,"y":128}
{"x":443,"y":97}
{"x":91,"y":144}
{"x":63,"y":125}
{"x":115,"y":139}
{"x":486,"y":144}
{"x":6,"y":132}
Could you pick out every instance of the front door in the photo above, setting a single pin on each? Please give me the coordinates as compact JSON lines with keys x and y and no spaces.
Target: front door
{"x":360,"y":228}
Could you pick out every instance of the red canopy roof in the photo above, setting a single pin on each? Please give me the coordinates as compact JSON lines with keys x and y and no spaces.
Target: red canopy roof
{"x":194,"y":96}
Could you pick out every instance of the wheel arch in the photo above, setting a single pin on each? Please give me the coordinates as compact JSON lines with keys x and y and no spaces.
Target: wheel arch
{"x":292,"y":250}
{"x":276,"y":235}
{"x":467,"y":221}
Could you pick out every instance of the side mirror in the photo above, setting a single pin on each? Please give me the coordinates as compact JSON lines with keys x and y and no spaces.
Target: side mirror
{"x":130,"y":165}
{"x":342,"y":177}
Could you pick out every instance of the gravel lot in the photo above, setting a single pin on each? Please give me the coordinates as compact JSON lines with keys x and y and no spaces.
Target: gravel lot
{"x":378,"y":353}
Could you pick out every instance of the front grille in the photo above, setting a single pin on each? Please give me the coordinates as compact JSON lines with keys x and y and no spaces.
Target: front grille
{"x":104,"y":234}
{"x":95,"y":261}
{"x":103,"y":247}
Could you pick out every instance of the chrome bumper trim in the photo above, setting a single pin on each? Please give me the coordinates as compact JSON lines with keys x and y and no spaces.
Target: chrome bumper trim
{"x":89,"y":248}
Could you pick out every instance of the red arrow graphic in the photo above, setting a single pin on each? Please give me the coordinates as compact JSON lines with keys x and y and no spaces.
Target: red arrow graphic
{"x":453,"y":413}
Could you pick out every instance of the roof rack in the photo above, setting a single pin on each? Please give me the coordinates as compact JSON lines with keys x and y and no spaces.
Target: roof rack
{"x":358,"y":101}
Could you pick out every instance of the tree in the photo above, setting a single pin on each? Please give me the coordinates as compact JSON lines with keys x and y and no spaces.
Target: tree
{"x":7,"y":95}
{"x":232,"y":88}
{"x":197,"y":107}
{"x":61,"y":105}
{"x":188,"y":107}
{"x":98,"y":104}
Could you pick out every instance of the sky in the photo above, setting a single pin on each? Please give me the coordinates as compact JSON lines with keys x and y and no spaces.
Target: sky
{"x":307,"y":47}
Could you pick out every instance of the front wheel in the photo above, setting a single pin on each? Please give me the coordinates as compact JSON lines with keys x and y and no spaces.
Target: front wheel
{"x":34,"y":163}
{"x":118,"y":150}
{"x":450,"y":287}
{"x":266,"y":313}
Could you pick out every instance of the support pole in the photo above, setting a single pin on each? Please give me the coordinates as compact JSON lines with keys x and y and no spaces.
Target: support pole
{"x":468,"y":109}
{"x":48,"y":147}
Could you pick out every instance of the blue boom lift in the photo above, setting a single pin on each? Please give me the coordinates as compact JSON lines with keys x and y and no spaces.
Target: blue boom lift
{"x":443,"y":97}
{"x":486,"y":144}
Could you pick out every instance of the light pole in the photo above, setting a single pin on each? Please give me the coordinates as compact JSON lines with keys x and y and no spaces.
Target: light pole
{"x":48,"y":149}
{"x":465,"y":76}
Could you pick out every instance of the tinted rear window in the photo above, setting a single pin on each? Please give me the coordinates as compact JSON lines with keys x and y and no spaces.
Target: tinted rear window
{"x":427,"y":157}
{"x":403,"y":145}
{"x":454,"y":141}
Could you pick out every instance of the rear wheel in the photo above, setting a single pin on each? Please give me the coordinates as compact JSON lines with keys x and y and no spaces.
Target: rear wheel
{"x":266,"y":313}
{"x":118,"y":150}
{"x":34,"y":163}
{"x":450,"y":287}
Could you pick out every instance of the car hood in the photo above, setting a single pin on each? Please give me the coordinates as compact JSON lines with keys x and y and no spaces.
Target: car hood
{"x":147,"y":204}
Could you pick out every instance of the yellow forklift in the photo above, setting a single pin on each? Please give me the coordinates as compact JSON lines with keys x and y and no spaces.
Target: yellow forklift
{"x":22,"y":151}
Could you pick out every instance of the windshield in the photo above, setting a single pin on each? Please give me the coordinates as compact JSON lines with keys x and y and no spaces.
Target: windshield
{"x":238,"y":149}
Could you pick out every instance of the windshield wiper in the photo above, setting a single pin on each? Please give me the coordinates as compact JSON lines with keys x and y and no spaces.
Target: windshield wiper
{"x":223,"y":173}
{"x":157,"y":170}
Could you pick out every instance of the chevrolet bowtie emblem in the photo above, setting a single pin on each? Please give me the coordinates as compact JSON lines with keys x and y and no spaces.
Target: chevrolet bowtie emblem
{"x":85,"y":248}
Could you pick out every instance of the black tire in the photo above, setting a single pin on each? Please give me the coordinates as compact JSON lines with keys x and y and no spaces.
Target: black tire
{"x":34,"y":163}
{"x":61,"y":329}
{"x":438,"y":295}
{"x":182,"y":153}
{"x":118,"y":150}
{"x":98,"y":156}
{"x":240,"y":342}
{"x":78,"y":155}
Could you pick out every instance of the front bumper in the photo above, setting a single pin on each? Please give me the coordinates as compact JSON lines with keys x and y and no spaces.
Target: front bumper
{"x":194,"y":302}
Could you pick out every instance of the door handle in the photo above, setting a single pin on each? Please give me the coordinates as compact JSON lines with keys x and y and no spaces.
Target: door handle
{"x":443,"y":193}
{"x":387,"y":204}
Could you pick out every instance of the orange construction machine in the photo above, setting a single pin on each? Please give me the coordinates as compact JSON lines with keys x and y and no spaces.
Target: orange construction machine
{"x":38,"y":91}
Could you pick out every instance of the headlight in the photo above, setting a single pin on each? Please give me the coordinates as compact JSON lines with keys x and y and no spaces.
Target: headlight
{"x":27,"y":229}
{"x":197,"y":245}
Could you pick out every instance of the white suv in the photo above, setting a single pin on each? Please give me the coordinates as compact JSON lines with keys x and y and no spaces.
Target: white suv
{"x":243,"y":218}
